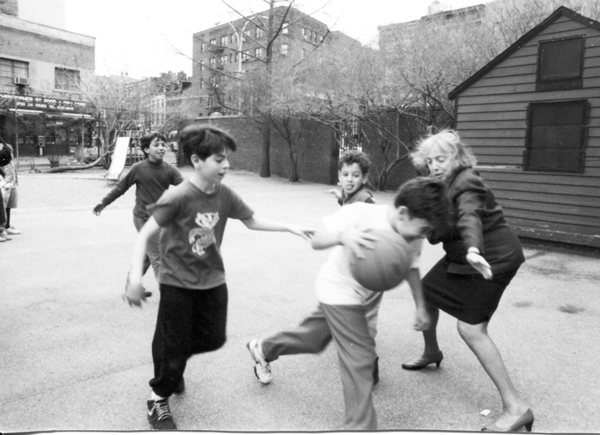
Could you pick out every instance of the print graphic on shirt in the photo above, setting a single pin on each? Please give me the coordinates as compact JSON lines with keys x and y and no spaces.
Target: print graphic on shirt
{"x":203,"y":237}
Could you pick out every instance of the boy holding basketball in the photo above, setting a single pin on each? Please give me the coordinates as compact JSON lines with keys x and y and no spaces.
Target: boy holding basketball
{"x":419,"y":206}
{"x":192,"y":311}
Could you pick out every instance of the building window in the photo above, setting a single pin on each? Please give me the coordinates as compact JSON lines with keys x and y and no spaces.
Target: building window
{"x":212,"y":62}
{"x":285,"y":28}
{"x":304,"y":32}
{"x":224,"y":40}
{"x":246,"y":36}
{"x":284,"y":49}
{"x":230,"y":57}
{"x":259,"y":32}
{"x":303,"y":53}
{"x":201,"y":65}
{"x":258,"y":52}
{"x":245,"y":55}
{"x":556,"y":136}
{"x":66,"y":79}
{"x":223,"y":60}
{"x":9,"y":69}
{"x":560,"y":64}
{"x":213,"y":41}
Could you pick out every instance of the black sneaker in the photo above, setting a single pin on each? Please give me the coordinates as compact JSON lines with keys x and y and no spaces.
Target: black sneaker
{"x":376,"y":371}
{"x":180,"y":387}
{"x":159,"y":415}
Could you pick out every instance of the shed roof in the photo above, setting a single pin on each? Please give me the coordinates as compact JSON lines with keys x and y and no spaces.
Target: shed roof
{"x":561,"y":11}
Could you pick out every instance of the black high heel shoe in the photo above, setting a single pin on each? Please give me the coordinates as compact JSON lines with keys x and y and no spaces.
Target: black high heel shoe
{"x":421,"y":363}
{"x":526,"y":420}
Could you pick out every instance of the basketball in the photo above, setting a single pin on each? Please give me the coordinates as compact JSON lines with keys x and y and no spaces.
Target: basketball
{"x":385,"y":265}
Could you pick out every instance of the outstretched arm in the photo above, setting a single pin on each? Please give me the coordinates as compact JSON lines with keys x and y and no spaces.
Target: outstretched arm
{"x":135,"y":293}
{"x":121,"y":187}
{"x":262,"y":224}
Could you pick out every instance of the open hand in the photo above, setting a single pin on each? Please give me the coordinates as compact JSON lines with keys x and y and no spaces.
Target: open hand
{"x":335,"y":192}
{"x":356,"y":241}
{"x":480,"y":264}
{"x":305,"y":233}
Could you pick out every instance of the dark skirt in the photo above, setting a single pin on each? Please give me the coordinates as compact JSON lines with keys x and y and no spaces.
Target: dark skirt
{"x":470,"y":298}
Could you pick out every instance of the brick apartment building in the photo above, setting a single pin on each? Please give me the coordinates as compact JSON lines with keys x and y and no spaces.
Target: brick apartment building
{"x":42,"y":109}
{"x":228,"y":50}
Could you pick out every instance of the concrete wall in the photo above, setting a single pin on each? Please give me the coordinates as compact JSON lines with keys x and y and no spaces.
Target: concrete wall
{"x":319,"y":149}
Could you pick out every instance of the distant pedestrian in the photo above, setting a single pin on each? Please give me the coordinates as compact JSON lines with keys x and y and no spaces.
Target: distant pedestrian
{"x":483,"y":254}
{"x":192,"y":312}
{"x":11,"y":191}
{"x":419,"y":206}
{"x":5,"y":158}
{"x":152,"y":177}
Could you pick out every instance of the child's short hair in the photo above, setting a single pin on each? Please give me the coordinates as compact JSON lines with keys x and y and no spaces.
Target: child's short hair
{"x":147,"y":139}
{"x":204,"y":141}
{"x":5,"y":156}
{"x":425,"y":198}
{"x":354,"y":156}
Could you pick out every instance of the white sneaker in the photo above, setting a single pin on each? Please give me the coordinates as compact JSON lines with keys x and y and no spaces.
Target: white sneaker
{"x":13,"y":231}
{"x":4,"y":234}
{"x":262,"y":370}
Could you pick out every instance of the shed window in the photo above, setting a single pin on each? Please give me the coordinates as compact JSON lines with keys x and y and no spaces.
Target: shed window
{"x":560,"y":64}
{"x":556,"y":136}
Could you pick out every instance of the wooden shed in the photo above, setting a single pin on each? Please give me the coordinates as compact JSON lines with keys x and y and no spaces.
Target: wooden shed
{"x":532,"y":117}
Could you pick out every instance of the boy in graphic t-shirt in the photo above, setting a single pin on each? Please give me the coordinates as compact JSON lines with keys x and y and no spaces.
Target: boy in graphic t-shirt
{"x":192,"y":311}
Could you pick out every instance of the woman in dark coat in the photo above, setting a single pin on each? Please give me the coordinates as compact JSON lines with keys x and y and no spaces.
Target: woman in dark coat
{"x":483,"y":254}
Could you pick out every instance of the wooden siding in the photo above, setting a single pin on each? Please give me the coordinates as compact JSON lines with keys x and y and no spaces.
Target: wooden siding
{"x":491,"y":119}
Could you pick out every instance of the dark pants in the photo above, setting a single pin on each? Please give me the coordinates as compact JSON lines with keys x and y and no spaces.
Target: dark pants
{"x":188,"y":322}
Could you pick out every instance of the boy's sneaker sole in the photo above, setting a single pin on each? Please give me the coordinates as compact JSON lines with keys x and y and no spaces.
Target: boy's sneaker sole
{"x":262,"y":369}
{"x":159,"y":415}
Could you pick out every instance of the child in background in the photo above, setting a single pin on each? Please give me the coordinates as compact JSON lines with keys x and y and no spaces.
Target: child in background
{"x":353,"y":167}
{"x":11,"y":192}
{"x":419,"y":206}
{"x":192,"y":312}
{"x":151,"y":177}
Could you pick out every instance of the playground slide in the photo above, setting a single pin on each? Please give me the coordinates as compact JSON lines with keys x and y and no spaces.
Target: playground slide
{"x":118,"y":159}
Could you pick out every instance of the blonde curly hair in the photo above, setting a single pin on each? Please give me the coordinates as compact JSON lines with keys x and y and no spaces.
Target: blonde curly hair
{"x":446,"y":141}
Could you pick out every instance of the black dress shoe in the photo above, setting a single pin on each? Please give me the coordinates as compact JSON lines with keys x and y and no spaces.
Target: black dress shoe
{"x":421,"y":363}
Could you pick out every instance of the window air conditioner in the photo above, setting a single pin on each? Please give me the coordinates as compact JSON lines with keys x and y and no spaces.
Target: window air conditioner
{"x":24,"y":81}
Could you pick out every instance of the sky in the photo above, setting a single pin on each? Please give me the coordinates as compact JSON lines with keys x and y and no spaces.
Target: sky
{"x":146,"y":37}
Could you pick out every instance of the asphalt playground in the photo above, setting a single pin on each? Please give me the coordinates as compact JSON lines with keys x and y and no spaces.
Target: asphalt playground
{"x":74,"y":356}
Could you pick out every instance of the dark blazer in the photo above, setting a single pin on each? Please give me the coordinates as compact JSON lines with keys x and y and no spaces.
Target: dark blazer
{"x":477,"y":220}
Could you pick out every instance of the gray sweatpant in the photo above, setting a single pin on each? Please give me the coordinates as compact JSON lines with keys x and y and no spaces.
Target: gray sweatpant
{"x":348,"y":326}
